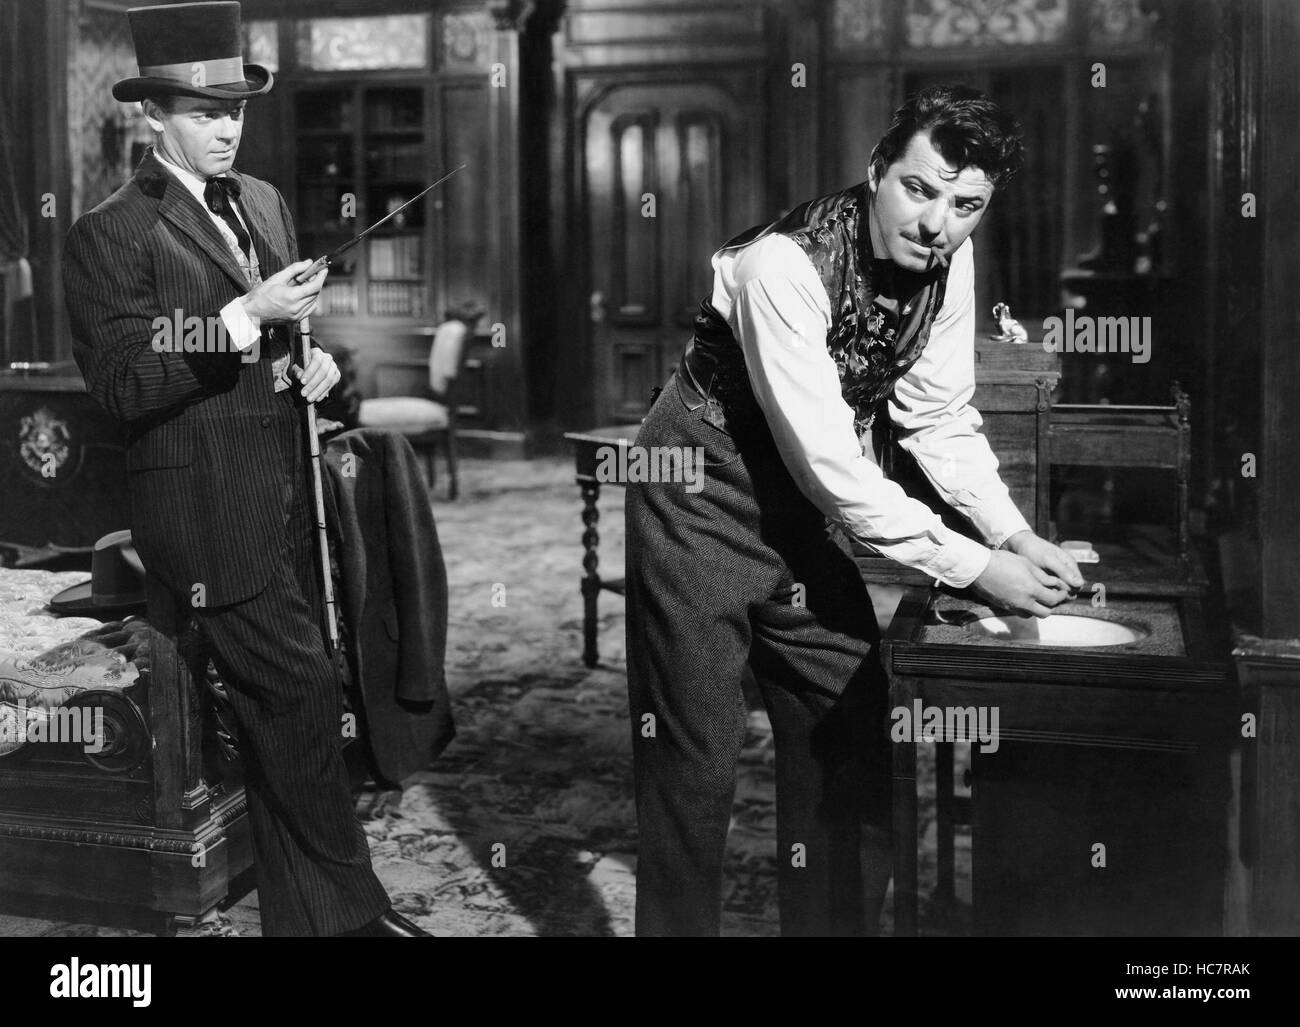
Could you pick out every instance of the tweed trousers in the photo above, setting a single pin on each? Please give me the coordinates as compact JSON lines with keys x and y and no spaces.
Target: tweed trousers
{"x":743,"y":570}
{"x":313,"y":862}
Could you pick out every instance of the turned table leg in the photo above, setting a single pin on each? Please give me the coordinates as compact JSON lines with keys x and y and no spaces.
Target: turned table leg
{"x":590,"y":577}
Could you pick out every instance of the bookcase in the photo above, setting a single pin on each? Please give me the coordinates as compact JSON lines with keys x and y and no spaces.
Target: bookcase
{"x":361,"y":152}
{"x":372,"y":103}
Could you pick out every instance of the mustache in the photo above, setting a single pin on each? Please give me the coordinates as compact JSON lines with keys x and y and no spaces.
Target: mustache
{"x":936,"y":249}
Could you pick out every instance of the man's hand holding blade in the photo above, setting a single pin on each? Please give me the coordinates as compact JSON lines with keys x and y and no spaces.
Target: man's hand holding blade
{"x":279,"y":299}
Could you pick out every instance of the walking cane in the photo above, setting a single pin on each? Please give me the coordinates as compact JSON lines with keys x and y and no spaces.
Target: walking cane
{"x":318,"y":493}
{"x":315,"y":443}
{"x":317,"y":485}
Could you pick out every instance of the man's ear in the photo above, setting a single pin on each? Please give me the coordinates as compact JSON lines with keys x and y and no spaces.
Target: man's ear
{"x":152,"y":114}
{"x":874,"y":171}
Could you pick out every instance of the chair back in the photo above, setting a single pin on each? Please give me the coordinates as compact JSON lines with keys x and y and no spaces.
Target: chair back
{"x":446,"y":356}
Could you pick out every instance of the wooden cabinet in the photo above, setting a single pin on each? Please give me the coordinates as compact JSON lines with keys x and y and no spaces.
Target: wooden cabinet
{"x":1098,"y":799}
{"x":62,"y":463}
{"x":1269,"y":672}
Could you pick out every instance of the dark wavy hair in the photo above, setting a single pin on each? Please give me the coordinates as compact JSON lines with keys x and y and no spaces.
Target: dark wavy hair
{"x":966,"y":127}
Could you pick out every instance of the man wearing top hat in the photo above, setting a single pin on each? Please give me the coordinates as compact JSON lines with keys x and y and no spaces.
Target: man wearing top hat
{"x":216,"y":448}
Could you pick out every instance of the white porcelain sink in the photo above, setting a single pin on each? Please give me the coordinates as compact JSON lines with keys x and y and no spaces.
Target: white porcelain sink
{"x":1058,"y":629}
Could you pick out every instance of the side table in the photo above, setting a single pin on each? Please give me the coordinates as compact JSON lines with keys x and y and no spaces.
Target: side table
{"x":587,"y":448}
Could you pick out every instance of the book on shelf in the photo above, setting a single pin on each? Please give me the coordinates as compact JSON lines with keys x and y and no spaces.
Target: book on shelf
{"x":338,"y":299}
{"x":396,"y":257}
{"x":396,"y":299}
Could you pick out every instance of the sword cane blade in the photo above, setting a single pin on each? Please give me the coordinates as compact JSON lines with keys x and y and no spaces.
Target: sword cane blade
{"x":391,"y":214}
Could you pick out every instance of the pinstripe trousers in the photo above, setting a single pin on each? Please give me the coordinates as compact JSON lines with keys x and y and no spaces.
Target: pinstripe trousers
{"x":313,"y":862}
{"x":744,"y":571}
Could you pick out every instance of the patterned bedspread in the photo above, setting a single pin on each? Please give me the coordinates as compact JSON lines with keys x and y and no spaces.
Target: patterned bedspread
{"x":46,"y":660}
{"x":26,"y":627}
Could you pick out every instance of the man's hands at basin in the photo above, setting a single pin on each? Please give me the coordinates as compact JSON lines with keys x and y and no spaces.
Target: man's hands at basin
{"x":1030,"y":576}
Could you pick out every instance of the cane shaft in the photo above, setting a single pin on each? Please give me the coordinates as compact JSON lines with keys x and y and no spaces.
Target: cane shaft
{"x":318,"y":493}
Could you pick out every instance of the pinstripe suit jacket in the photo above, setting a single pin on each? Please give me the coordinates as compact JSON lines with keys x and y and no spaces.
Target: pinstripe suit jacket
{"x":209,"y":444}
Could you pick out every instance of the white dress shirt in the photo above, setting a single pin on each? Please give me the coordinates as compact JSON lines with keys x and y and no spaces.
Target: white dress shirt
{"x":779,"y":311}
{"x":242,"y":328}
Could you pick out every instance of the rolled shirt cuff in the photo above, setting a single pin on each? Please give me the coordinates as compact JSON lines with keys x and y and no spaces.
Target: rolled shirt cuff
{"x":999,"y":520}
{"x":959,"y":560}
{"x":242,"y":328}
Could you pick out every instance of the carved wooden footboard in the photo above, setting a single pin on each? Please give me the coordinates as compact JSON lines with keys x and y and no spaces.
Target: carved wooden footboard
{"x":155,"y":819}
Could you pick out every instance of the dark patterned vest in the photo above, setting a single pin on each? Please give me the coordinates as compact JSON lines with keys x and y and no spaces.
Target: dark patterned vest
{"x":872,"y":344}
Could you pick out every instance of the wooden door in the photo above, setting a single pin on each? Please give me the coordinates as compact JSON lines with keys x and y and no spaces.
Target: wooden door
{"x":671,"y":171}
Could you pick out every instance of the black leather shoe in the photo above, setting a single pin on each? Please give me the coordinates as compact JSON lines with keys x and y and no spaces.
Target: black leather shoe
{"x":390,"y":925}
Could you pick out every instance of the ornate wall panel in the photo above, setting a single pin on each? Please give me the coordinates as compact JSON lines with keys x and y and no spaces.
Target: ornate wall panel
{"x":1119,"y":21}
{"x":948,"y":23}
{"x":859,"y":25}
{"x":465,"y":40}
{"x":99,"y":128}
{"x":363,"y":44}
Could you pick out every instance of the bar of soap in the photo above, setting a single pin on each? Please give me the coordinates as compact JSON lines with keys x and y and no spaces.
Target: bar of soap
{"x":1081,"y":551}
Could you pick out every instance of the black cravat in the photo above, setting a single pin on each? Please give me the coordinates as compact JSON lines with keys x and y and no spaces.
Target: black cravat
{"x":882,"y":276}
{"x":217,"y":194}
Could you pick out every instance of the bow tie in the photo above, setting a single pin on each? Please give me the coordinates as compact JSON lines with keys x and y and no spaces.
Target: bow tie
{"x":217,"y":190}
{"x":217,"y":194}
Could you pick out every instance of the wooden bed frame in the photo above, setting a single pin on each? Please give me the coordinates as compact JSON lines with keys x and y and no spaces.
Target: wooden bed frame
{"x":163,"y":837}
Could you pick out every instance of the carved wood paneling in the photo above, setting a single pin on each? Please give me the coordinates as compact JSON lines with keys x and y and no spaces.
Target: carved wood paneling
{"x":635,"y":240}
{"x":703,"y":173}
{"x":467,"y":204}
{"x":860,"y":24}
{"x":635,"y":375}
{"x":632,"y":26}
{"x":465,"y":39}
{"x":862,"y":100}
{"x":947,"y":23}
{"x":1120,"y":21}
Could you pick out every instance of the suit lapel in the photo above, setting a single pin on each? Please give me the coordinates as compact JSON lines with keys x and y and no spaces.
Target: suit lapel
{"x":179,"y":207}
{"x":256,"y":218}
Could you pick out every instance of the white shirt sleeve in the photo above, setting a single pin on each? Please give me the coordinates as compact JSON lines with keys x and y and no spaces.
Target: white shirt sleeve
{"x":937,"y":424}
{"x":780,"y":314}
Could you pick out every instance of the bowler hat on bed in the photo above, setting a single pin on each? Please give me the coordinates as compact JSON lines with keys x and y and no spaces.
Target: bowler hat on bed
{"x":191,"y":50}
{"x":116,"y":585}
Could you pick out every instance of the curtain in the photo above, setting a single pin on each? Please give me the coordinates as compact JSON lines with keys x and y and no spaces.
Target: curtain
{"x":15,"y":271}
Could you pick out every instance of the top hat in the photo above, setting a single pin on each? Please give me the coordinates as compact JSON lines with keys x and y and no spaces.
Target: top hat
{"x":191,"y":50}
{"x":117,"y":582}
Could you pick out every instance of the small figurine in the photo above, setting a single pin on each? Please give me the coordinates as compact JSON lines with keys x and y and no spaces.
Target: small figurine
{"x":1009,"y":329}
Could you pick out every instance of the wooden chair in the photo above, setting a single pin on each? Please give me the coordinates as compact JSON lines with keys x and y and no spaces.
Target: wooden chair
{"x":428,"y":421}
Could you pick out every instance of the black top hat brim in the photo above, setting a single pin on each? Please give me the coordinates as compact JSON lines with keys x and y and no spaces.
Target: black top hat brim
{"x":78,"y":601}
{"x":257,"y":81}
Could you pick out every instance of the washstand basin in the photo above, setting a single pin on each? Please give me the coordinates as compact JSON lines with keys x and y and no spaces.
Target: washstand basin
{"x":1058,"y":629}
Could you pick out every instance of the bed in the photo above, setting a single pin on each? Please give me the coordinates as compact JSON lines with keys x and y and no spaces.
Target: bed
{"x":149,"y":814}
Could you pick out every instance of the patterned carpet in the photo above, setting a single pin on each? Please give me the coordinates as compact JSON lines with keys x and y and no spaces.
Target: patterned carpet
{"x":526,"y":826}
